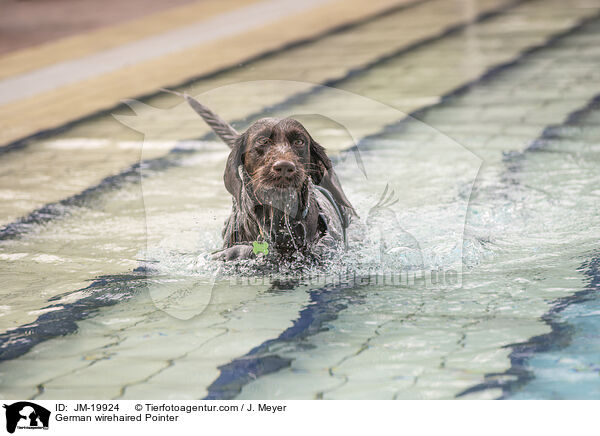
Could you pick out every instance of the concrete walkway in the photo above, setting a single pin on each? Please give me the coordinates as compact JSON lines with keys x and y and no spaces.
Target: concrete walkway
{"x":46,"y":86}
{"x":27,"y":24}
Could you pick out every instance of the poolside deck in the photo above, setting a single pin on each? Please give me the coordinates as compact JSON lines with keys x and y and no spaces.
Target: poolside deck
{"x":45,"y":86}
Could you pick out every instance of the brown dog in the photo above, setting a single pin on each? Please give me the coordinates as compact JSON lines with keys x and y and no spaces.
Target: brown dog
{"x":287,"y":198}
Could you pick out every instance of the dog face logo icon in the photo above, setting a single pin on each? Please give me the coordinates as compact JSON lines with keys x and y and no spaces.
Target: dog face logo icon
{"x":26,"y":415}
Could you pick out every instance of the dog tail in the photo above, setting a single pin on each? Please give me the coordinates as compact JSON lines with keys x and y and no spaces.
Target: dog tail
{"x":224,"y":130}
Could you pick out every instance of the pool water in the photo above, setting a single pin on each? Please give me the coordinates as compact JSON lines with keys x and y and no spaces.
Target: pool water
{"x":486,"y":133}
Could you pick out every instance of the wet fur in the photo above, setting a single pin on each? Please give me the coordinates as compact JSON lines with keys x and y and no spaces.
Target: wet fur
{"x":272,"y":208}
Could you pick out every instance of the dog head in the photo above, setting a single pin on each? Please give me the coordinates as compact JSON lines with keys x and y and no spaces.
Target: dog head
{"x":276,"y":154}
{"x":280,"y":156}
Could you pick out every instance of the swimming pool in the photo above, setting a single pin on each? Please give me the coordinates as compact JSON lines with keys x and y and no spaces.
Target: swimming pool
{"x":486,"y":130}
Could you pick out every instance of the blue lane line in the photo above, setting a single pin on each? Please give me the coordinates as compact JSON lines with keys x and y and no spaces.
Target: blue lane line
{"x":554,"y":131}
{"x":60,"y":209}
{"x":562,"y":331}
{"x":324,"y":307}
{"x":370,"y":141}
{"x":105,"y":291}
{"x":520,"y":373}
{"x":569,"y":371}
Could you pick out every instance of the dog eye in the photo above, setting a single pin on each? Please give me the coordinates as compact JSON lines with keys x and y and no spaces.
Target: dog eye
{"x":262,"y":140}
{"x":299,"y":141}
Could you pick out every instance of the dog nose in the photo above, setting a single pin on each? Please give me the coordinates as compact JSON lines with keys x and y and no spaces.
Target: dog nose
{"x":284,"y":168}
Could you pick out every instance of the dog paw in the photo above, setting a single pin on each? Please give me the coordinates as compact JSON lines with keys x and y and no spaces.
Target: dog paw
{"x":237,"y":252}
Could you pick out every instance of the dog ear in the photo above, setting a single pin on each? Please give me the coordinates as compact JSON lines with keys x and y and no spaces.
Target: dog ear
{"x":322,"y":174}
{"x":331,"y":182}
{"x":231,"y":177}
{"x":319,"y":162}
